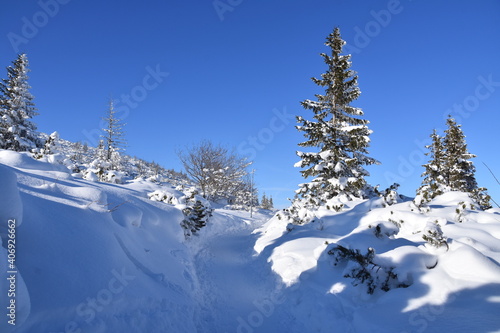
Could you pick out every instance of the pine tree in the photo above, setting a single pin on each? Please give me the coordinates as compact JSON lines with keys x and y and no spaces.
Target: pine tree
{"x":460,"y":176}
{"x":264,"y":203}
{"x":50,"y":147}
{"x":450,"y":168}
{"x":267,"y":202}
{"x":434,"y":182}
{"x":101,"y":151}
{"x":114,"y":137}
{"x":17,"y":132}
{"x":100,"y":165}
{"x":195,"y":218}
{"x":338,"y":132}
{"x":461,"y":171}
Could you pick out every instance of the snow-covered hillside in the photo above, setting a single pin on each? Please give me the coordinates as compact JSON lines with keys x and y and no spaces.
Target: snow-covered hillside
{"x":94,"y":257}
{"x":452,"y":286}
{"x":99,"y":257}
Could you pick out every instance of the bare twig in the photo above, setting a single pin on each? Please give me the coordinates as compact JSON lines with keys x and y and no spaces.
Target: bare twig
{"x":495,"y":179}
{"x":492,"y":173}
{"x":112,"y":209}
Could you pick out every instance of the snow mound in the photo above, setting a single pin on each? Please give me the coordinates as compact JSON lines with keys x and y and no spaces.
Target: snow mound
{"x":24,"y":160}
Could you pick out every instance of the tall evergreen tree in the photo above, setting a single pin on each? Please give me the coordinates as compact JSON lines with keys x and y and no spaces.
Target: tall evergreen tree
{"x":461,"y":171}
{"x":337,"y":131}
{"x":114,"y":137}
{"x":17,"y":131}
{"x":434,"y":182}
{"x":450,"y":168}
{"x":460,"y":176}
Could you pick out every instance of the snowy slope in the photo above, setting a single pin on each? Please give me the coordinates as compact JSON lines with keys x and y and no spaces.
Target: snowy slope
{"x":97,"y":257}
{"x":94,"y":257}
{"x":442,"y":290}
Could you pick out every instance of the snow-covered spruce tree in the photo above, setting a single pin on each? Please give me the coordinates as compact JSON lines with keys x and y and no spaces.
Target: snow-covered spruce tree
{"x":17,"y":131}
{"x":50,"y":147}
{"x":337,"y":131}
{"x":267,"y":203}
{"x":461,"y":171}
{"x":114,"y":137}
{"x":434,"y":182}
{"x":99,"y":166}
{"x":450,"y":168}
{"x":51,"y":144}
{"x":195,"y":218}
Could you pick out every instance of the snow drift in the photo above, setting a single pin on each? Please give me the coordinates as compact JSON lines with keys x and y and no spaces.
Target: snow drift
{"x":94,"y":257}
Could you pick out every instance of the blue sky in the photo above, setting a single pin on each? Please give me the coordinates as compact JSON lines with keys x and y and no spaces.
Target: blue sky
{"x":235,"y":71}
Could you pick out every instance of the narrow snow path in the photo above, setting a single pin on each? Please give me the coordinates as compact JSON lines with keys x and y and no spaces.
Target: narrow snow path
{"x":237,"y":288}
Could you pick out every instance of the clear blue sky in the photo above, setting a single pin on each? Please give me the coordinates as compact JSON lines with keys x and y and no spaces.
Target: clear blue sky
{"x":236,"y":74}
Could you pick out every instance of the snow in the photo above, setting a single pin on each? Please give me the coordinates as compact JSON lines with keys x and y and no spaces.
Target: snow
{"x":101,"y":257}
{"x":11,"y":204}
{"x":325,"y":154}
{"x":457,"y":286}
{"x":295,"y":257}
{"x":83,"y":242}
{"x":350,"y":128}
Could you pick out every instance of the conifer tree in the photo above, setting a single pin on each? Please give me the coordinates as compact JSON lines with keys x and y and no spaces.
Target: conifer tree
{"x":246,"y":193}
{"x":114,"y":137}
{"x":461,"y":171}
{"x":434,"y":182}
{"x":101,"y":151}
{"x":99,"y":165}
{"x":195,"y":218}
{"x":460,"y":175}
{"x":337,"y":131}
{"x":450,"y":168}
{"x":50,"y":147}
{"x":267,"y":202}
{"x":264,"y":203}
{"x":17,"y":131}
